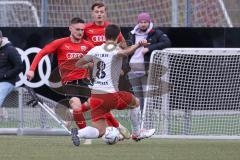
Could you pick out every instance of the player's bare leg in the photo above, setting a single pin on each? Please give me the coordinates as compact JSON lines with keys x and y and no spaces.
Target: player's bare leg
{"x":101,"y":125}
{"x":78,"y":110}
{"x":135,"y":116}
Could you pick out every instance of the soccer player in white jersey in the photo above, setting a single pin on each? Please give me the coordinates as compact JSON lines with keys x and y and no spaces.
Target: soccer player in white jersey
{"x":105,"y":96}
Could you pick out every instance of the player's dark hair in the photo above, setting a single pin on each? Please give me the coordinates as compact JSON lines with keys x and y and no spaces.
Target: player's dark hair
{"x":98,"y":5}
{"x":76,"y":20}
{"x":1,"y":34}
{"x":112,"y":31}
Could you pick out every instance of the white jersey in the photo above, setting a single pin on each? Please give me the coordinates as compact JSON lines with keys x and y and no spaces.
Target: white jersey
{"x":107,"y":68}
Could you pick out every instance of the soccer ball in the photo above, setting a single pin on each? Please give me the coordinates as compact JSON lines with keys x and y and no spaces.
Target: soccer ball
{"x":111,"y":135}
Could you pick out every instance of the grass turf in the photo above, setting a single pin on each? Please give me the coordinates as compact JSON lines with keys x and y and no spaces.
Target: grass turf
{"x":61,"y":148}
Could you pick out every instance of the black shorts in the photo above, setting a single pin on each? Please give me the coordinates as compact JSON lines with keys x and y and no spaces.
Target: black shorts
{"x":77,"y":88}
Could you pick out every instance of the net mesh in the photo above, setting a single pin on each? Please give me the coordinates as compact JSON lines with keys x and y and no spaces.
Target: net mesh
{"x":18,"y":14}
{"x":194,"y":92}
{"x":203,"y":13}
{"x":33,"y":117}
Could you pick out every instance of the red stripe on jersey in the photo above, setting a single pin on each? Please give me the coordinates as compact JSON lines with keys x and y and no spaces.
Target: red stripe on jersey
{"x":68,"y":53}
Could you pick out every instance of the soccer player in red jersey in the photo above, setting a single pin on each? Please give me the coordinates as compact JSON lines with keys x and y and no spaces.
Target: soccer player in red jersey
{"x":69,"y":50}
{"x":95,"y":33}
{"x":105,"y":94}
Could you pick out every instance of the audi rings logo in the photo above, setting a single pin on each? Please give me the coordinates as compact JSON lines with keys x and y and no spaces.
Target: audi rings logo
{"x":43,"y":76}
{"x":74,"y":55}
{"x":98,"y":38}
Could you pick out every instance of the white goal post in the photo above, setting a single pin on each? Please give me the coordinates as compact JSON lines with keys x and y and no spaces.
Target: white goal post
{"x":18,"y":14}
{"x":194,"y":93}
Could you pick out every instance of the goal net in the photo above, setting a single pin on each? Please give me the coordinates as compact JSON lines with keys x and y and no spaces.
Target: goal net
{"x":22,"y":119}
{"x":194,"y":93}
{"x":18,"y":13}
{"x":164,"y":13}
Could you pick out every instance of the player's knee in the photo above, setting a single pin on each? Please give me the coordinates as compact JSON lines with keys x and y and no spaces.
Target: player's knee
{"x":135,"y":102}
{"x":101,"y":131}
{"x":75,"y":102}
{"x":101,"y":126}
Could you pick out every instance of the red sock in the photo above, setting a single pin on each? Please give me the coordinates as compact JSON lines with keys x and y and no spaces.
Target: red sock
{"x":79,"y":118}
{"x":111,"y":121}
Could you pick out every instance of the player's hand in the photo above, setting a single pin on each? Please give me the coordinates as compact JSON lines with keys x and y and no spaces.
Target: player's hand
{"x":30,"y":75}
{"x":143,"y":42}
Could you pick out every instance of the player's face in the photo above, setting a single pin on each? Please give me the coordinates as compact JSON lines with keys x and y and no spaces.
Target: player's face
{"x":77,"y":30}
{"x":99,"y":14}
{"x":143,"y":25}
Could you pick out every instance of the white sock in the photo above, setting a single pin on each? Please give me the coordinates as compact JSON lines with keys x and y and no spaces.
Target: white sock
{"x":135,"y":116}
{"x":88,"y":133}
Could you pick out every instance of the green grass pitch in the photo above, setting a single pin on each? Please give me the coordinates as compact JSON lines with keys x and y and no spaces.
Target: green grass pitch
{"x":61,"y":148}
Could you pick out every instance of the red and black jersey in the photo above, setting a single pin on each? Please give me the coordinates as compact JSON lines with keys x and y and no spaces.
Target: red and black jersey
{"x":68,"y":53}
{"x":96,"y":34}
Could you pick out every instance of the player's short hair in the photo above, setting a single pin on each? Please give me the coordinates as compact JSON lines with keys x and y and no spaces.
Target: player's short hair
{"x":76,"y":20}
{"x":98,"y":4}
{"x":1,"y":34}
{"x":112,"y":31}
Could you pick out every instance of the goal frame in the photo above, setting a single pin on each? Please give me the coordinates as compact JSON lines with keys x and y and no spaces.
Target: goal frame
{"x":27,"y":3}
{"x":22,"y":130}
{"x":165,"y":100}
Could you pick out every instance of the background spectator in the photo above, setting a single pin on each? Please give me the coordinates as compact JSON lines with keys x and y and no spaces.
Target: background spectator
{"x":10,"y":67}
{"x":139,"y":61}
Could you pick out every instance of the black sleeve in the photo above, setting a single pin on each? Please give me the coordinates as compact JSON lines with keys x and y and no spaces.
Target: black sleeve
{"x":130,"y":39}
{"x":163,"y":42}
{"x":15,"y":59}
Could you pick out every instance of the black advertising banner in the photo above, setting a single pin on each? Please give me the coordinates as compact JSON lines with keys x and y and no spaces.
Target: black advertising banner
{"x":29,"y":41}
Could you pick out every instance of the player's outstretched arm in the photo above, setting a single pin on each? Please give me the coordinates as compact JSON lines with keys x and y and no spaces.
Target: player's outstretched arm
{"x":50,"y":48}
{"x":85,"y":62}
{"x":131,"y":49}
